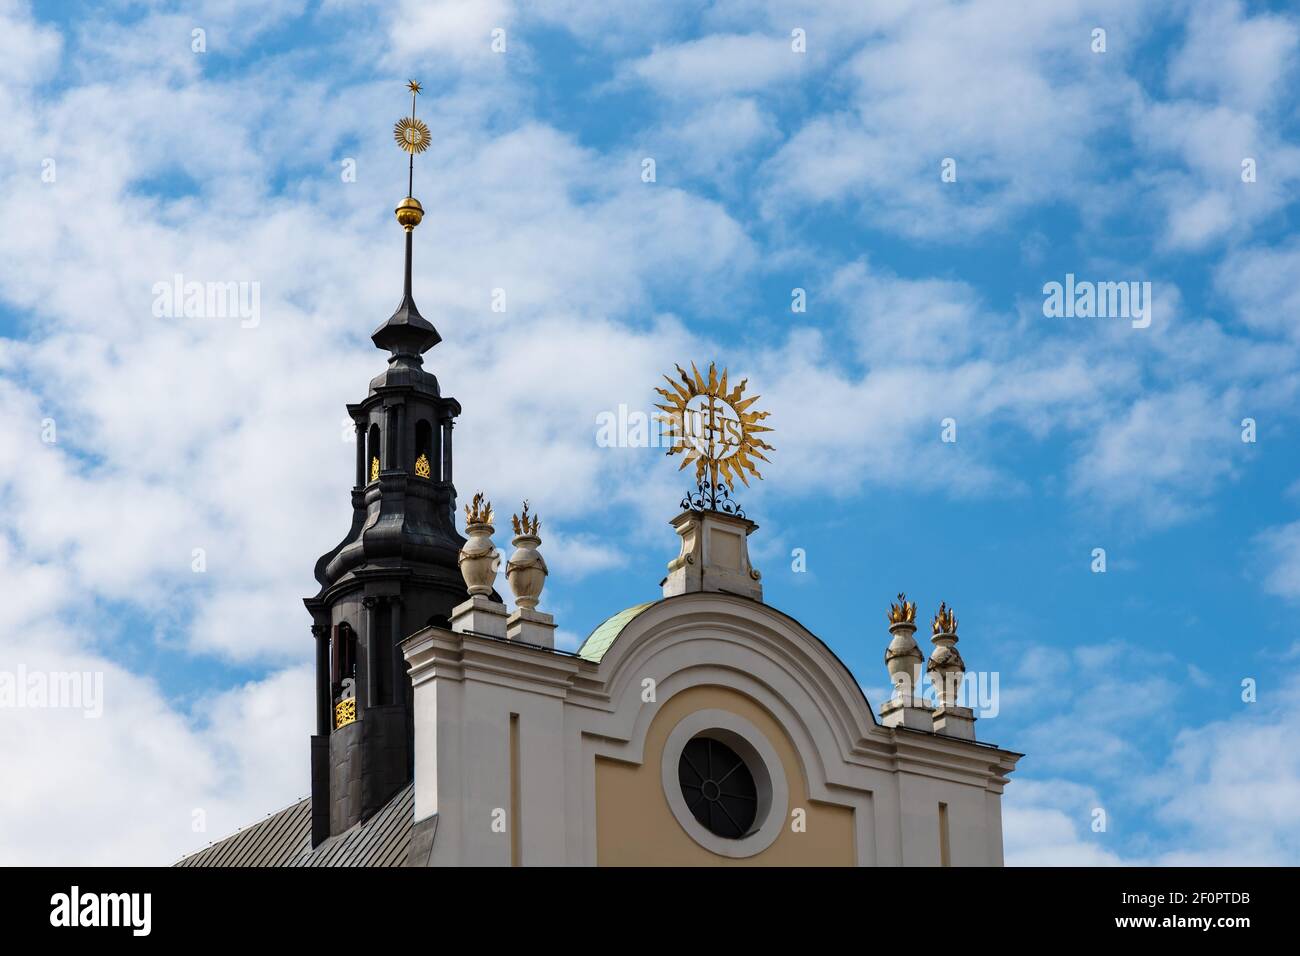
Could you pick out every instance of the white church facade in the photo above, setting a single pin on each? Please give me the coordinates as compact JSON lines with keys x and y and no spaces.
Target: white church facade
{"x":585,"y":759}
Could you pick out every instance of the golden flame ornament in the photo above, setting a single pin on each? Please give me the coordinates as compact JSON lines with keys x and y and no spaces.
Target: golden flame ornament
{"x":524,"y":524}
{"x":904,"y":612}
{"x":479,"y":511}
{"x":945,"y":622}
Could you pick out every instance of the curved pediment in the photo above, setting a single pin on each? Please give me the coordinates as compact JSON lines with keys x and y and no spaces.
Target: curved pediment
{"x":718,"y":638}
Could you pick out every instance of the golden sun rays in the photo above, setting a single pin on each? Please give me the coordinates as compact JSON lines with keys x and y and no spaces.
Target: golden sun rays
{"x":412,"y":134}
{"x":713,"y":426}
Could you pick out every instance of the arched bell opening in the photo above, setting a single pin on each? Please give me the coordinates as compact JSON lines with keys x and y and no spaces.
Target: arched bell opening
{"x":373,"y":460}
{"x":424,"y":457}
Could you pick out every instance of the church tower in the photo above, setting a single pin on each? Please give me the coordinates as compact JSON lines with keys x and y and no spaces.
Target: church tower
{"x":395,"y":571}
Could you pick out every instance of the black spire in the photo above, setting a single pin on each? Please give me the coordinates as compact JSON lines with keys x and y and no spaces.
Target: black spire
{"x":407,"y":332}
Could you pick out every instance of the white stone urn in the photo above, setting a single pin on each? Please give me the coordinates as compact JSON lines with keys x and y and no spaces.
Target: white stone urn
{"x":946,"y":668}
{"x":526,"y":570}
{"x":478,"y":558}
{"x":903,"y":659}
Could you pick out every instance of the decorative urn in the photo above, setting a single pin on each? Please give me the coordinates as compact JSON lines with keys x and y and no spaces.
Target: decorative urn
{"x":526,"y":570}
{"x":903,"y":658}
{"x":946,"y":668}
{"x":478,"y":558}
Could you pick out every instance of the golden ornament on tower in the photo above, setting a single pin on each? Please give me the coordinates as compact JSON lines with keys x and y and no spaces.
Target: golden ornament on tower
{"x":904,"y":612}
{"x":479,"y":511}
{"x":713,"y":426}
{"x":523,"y":524}
{"x":413,"y":136}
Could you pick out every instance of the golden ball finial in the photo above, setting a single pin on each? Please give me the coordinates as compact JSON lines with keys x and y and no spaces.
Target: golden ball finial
{"x":409,"y":213}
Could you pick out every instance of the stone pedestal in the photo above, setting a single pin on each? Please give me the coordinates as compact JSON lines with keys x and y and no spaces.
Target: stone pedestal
{"x":909,"y":712}
{"x":479,"y":615}
{"x":531,"y":627}
{"x":952,"y":721}
{"x":714,"y":556}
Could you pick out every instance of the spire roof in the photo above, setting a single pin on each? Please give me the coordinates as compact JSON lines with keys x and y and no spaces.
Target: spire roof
{"x":406,"y":331}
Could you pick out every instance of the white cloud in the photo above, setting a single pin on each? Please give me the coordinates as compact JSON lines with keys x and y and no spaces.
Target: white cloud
{"x":1233,"y":58}
{"x":718,"y":65}
{"x":1198,"y":149}
{"x":1232,"y":785}
{"x":1278,"y":561}
{"x":1260,"y":284}
{"x":926,"y":91}
{"x":1050,"y":823}
{"x":715,"y":141}
{"x":1223,"y":794}
{"x":124,"y":788}
{"x":923,"y":81}
{"x":1224,"y":110}
{"x":458,"y":29}
{"x":572,"y":557}
{"x":922,"y":322}
{"x":1180,"y":441}
{"x":28,"y":51}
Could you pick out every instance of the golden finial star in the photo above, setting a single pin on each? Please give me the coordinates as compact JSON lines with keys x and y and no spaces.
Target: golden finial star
{"x":414,"y":86}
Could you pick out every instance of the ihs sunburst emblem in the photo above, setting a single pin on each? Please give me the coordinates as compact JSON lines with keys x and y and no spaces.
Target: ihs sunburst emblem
{"x":411,"y":134}
{"x":715,"y":428}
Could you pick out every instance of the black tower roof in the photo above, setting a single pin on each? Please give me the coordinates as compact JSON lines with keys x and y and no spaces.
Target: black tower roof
{"x":406,"y":331}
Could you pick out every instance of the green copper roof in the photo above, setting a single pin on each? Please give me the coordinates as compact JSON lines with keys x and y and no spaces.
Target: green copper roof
{"x":599,"y":640}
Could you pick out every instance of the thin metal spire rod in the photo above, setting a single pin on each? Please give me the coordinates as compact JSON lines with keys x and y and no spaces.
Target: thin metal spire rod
{"x":407,"y":287}
{"x":410,"y":182}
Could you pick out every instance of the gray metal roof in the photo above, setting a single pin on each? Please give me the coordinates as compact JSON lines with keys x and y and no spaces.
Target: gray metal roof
{"x":284,"y":839}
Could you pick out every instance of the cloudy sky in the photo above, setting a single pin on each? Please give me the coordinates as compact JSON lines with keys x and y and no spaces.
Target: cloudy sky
{"x":921,"y":170}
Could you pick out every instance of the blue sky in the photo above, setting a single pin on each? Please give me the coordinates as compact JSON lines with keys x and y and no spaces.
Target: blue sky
{"x":774,"y":170}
